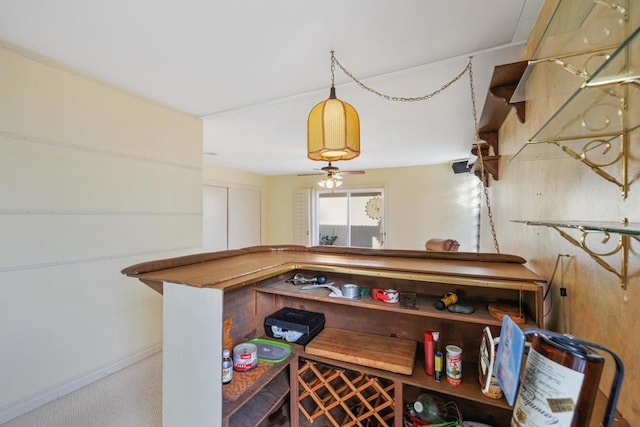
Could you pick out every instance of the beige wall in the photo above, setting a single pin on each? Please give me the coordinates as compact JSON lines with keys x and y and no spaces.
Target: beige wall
{"x":596,"y":308}
{"x":92,"y":179}
{"x":221,"y":175}
{"x":422,"y":202}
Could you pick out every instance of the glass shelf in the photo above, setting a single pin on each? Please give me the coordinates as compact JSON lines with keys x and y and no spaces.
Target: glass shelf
{"x":596,"y":118}
{"x":596,"y":109}
{"x":580,"y":37}
{"x":621,"y":227}
{"x":546,"y":150}
{"x":588,"y":61}
{"x":622,"y":67}
{"x":580,"y":26}
{"x":626,"y":230}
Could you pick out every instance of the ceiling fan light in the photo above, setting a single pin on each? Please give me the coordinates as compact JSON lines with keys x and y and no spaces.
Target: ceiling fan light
{"x":330,"y":182}
{"x":333,"y":131}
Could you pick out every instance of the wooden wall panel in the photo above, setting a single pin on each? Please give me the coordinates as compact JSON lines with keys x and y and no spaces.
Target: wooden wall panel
{"x":596,"y":308}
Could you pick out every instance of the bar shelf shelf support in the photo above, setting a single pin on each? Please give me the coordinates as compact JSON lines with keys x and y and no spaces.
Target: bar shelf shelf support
{"x":600,"y":115}
{"x":579,"y":38}
{"x":586,"y":150}
{"x":624,"y":229}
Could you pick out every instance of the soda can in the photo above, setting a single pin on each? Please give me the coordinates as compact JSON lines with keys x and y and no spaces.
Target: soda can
{"x":454,"y":364}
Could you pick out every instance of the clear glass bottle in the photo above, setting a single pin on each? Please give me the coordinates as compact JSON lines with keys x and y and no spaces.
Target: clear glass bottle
{"x":227,"y":367}
{"x":430,"y":408}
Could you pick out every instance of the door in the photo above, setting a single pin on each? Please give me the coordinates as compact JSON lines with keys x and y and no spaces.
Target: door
{"x":245,"y":207}
{"x":214,"y":218}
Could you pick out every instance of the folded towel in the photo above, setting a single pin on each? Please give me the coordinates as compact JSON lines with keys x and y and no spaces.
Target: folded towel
{"x":442,"y":245}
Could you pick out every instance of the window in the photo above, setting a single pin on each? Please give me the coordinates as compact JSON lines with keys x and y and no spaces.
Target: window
{"x":349,"y":217}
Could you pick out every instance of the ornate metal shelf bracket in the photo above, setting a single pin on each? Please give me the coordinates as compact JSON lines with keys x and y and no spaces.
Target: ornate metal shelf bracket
{"x":585,"y":68}
{"x":598,"y":167}
{"x":601,"y":126}
{"x":622,"y":247}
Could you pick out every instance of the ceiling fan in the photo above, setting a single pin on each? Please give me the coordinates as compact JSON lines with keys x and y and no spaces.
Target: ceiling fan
{"x":333,"y":171}
{"x":332,"y":176}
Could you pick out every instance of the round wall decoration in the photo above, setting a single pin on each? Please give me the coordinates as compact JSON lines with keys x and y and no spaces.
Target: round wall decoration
{"x":373,"y":208}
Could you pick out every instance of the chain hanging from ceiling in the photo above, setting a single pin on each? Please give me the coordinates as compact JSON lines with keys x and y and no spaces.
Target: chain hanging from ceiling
{"x":467,"y":69}
{"x":400,"y":98}
{"x":483,"y":178}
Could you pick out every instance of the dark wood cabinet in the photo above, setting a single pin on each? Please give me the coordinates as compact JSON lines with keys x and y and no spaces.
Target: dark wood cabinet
{"x":249,"y":285}
{"x":370,"y":316}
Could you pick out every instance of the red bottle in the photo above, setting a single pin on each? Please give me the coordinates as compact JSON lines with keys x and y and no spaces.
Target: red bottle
{"x":429,"y":353}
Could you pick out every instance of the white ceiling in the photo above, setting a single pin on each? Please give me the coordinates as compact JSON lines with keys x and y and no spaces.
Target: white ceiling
{"x":253,"y":69}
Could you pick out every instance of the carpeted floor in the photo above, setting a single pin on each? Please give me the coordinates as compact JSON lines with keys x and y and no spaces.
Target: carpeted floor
{"x":131,"y":397}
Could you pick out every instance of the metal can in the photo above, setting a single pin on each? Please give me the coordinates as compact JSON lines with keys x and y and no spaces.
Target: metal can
{"x":454,"y":364}
{"x":245,"y":357}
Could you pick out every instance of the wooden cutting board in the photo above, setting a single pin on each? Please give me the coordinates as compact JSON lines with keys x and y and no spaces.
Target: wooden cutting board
{"x":375,"y":351}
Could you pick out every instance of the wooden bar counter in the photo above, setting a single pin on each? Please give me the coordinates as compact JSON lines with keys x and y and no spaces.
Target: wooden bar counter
{"x":242,"y":287}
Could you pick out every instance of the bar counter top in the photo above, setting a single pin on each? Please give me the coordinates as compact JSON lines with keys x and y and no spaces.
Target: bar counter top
{"x":230,"y":269}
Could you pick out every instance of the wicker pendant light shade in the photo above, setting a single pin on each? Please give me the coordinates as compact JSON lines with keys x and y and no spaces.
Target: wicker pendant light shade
{"x":333,"y":128}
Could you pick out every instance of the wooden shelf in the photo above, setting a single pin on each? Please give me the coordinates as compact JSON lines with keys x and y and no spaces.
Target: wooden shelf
{"x":263,"y":403}
{"x":370,"y":316}
{"x":247,"y":396}
{"x":426,"y":304}
{"x":497,"y":105}
{"x":490,"y":162}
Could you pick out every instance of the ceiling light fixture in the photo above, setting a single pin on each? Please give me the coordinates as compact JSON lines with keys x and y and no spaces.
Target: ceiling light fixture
{"x":330,"y":182}
{"x":333,"y":128}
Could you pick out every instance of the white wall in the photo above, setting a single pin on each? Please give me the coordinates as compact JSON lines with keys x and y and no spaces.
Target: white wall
{"x":92,"y":179}
{"x":191,"y":389}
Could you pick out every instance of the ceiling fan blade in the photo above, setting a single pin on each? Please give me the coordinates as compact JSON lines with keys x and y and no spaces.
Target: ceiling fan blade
{"x":352,"y":172}
{"x":331,"y":170}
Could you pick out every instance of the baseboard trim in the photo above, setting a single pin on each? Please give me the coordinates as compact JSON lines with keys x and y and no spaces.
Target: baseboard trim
{"x":29,"y":403}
